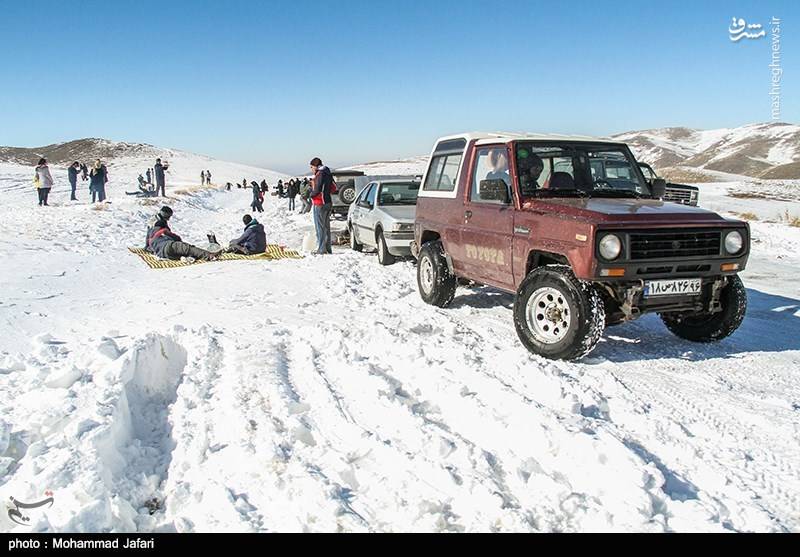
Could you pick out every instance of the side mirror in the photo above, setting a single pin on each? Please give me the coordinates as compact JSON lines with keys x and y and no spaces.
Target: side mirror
{"x":493,"y":190}
{"x":658,"y":188}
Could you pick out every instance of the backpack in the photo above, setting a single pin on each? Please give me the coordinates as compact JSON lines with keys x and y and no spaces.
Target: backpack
{"x":334,"y":188}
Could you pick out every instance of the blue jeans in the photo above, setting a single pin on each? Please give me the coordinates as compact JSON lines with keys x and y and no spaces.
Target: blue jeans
{"x":322,"y":224}
{"x":99,"y":192}
{"x":291,"y":203}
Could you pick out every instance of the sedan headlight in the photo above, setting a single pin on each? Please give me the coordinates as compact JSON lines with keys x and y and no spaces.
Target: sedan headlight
{"x":403,"y":227}
{"x":734,"y":242}
{"x":610,"y":246}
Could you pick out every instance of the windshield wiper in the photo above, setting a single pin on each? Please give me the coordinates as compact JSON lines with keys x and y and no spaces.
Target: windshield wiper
{"x":574,"y":192}
{"x":616,"y":193}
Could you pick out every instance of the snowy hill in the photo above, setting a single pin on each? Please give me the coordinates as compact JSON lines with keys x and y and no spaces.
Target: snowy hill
{"x":126,"y":160}
{"x":410,"y":166}
{"x":769,"y":150}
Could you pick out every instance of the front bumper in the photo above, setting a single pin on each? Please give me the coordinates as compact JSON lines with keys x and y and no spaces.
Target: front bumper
{"x":649,"y":270}
{"x":399,"y":243}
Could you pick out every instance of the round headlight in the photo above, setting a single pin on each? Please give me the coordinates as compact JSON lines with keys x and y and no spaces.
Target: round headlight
{"x":734,"y":242}
{"x":610,"y":246}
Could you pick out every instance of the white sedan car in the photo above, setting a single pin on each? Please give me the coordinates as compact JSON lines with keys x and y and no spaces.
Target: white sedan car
{"x":382,"y":216}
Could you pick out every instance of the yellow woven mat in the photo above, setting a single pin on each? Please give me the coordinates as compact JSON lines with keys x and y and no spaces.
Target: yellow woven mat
{"x":273,"y":252}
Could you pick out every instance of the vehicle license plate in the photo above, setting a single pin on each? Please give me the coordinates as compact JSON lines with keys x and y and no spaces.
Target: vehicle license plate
{"x":678,"y":287}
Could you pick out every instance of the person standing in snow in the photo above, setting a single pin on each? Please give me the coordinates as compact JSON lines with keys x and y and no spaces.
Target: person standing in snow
{"x":258,"y":198}
{"x":292,"y":193}
{"x":149,"y":176}
{"x":84,"y":172}
{"x":98,"y":178}
{"x":321,"y":200}
{"x":43,"y":181}
{"x":164,"y":243}
{"x":253,"y":240}
{"x":202,"y":178}
{"x":208,"y":177}
{"x":264,"y":186}
{"x":72,"y":175}
{"x":304,"y":191}
{"x":161,"y":181}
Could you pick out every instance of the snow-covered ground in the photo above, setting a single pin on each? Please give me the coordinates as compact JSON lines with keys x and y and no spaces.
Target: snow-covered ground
{"x":322,"y":394}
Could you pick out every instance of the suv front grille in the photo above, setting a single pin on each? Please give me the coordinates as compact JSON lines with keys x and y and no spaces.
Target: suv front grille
{"x":678,"y":195}
{"x":670,"y":244}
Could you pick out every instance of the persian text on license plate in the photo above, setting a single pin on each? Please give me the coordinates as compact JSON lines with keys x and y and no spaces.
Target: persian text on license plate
{"x":678,"y":287}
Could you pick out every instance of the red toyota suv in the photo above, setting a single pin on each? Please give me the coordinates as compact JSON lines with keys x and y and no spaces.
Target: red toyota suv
{"x":527,"y":214}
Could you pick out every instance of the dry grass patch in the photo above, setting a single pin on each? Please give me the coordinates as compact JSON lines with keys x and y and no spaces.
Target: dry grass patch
{"x":791,"y":220}
{"x":747,"y":216}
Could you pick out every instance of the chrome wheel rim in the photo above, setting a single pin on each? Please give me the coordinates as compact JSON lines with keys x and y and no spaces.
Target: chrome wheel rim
{"x":426,"y":275}
{"x":349,"y":195}
{"x":548,"y":315}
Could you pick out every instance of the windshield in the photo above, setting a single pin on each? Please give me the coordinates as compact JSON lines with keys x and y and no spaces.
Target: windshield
{"x":399,"y":194}
{"x":578,"y":170}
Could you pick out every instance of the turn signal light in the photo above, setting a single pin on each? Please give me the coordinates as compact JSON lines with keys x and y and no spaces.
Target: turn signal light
{"x":729,"y":266}
{"x":612,"y":272}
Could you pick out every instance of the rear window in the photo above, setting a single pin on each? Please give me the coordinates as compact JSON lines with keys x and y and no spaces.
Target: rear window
{"x":399,"y":194}
{"x":443,"y":172}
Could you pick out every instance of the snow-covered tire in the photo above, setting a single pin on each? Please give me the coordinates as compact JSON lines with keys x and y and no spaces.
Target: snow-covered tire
{"x":437,"y":286}
{"x":556,"y":315}
{"x":384,"y":257}
{"x":710,"y":327}
{"x":347,"y":194}
{"x":354,"y":245}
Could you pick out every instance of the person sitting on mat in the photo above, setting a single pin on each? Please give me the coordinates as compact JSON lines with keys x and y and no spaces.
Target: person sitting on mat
{"x":164,"y":243}
{"x":252,"y":241}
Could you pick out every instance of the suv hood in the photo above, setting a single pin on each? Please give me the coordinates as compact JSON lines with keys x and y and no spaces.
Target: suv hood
{"x":598,"y":209}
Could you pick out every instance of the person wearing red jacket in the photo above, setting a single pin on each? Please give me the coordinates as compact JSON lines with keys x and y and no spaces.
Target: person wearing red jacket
{"x":164,"y":243}
{"x":322,"y":204}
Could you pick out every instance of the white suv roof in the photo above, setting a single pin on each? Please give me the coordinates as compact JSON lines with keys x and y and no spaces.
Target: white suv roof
{"x":483,"y":138}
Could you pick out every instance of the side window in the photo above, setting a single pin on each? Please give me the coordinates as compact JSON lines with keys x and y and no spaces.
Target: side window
{"x":443,"y":173}
{"x":373,"y":189}
{"x":491,"y":163}
{"x":365,"y":193}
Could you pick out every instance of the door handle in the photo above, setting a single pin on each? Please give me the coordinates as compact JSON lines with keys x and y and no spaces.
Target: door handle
{"x":467,"y":215}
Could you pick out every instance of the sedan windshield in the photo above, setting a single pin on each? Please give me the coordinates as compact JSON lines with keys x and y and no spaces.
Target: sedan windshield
{"x":578,"y":170}
{"x":399,"y":193}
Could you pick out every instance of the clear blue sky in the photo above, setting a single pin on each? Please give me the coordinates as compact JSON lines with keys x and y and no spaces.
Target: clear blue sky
{"x":275,"y":83}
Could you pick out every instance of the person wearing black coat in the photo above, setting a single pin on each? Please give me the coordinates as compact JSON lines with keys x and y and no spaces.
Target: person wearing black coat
{"x":294,"y":189}
{"x":253,"y":239}
{"x":72,"y":174}
{"x":161,"y":180}
{"x":258,"y":199}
